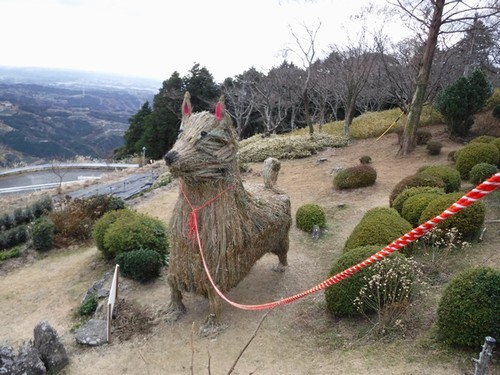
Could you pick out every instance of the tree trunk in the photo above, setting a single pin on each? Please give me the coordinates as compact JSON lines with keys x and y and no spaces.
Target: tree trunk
{"x":306,"y":113}
{"x":349,"y":116}
{"x":408,"y":143}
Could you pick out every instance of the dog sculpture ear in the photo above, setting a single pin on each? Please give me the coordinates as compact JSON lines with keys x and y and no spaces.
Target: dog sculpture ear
{"x":219,"y":109}
{"x":187,"y":109}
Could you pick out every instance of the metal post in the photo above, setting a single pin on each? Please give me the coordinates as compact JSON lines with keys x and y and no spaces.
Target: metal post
{"x":485,"y":356}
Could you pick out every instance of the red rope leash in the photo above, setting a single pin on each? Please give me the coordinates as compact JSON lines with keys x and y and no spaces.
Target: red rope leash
{"x":475,"y":194}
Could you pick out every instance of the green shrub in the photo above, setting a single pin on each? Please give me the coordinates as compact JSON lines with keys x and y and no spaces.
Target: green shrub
{"x":458,"y":102}
{"x":434,"y":148}
{"x":483,"y":139}
{"x":309,"y":215}
{"x":135,"y":232}
{"x":422,"y":137}
{"x":13,"y":237}
{"x":340,"y":297}
{"x":493,"y":100}
{"x":365,"y":159}
{"x":449,"y":175}
{"x":377,"y":227}
{"x":415,"y":205}
{"x":496,"y":142}
{"x":355,"y":177}
{"x":102,"y":225}
{"x":6,"y":221}
{"x":42,"y":207}
{"x":468,"y":221}
{"x":140,"y":265}
{"x":469,"y":308}
{"x":257,"y":149}
{"x":418,"y":179}
{"x":481,"y":172}
{"x":43,"y":234}
{"x":88,"y":306}
{"x":475,"y":153}
{"x":22,"y":216}
{"x":11,"y":253}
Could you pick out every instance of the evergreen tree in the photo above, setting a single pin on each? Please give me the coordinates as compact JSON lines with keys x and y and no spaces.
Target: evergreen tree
{"x":134,"y":132}
{"x":156,"y":129}
{"x":460,"y":101}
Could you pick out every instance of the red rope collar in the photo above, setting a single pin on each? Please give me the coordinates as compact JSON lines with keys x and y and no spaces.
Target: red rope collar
{"x":193,"y":216}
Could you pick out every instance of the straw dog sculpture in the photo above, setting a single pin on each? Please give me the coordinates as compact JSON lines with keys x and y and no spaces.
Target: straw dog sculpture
{"x":237,"y":225}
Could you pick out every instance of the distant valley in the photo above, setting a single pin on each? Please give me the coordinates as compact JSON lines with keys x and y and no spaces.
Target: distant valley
{"x":50,"y":114}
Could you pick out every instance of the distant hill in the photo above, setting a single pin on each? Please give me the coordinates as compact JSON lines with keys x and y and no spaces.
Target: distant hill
{"x":47,"y":114}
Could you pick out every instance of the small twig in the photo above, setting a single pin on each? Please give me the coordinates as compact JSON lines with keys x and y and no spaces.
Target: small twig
{"x":147,"y":367}
{"x":192,"y":349}
{"x":209,"y":358}
{"x":249,"y":341}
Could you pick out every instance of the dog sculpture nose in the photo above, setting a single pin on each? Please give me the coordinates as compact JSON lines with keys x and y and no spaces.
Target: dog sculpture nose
{"x":171,"y":156}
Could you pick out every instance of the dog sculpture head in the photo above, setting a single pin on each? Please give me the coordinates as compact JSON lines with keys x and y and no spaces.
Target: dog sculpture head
{"x":206,"y":147}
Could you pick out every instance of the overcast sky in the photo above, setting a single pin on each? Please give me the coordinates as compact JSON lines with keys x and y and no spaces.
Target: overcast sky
{"x":154,"y":38}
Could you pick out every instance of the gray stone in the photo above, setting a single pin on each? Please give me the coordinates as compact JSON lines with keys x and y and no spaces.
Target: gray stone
{"x":28,"y":362}
{"x":49,"y":346}
{"x":7,"y":356}
{"x":93,"y":333}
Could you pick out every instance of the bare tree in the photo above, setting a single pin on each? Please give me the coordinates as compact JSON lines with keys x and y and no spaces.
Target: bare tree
{"x":307,"y":54}
{"x":352,"y":65}
{"x":272,"y":97}
{"x":57,"y":167}
{"x":436,"y":17}
{"x":238,"y":94}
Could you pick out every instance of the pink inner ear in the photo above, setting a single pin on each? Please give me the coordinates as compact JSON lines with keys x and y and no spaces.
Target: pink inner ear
{"x":185,"y":110}
{"x":218,"y":111}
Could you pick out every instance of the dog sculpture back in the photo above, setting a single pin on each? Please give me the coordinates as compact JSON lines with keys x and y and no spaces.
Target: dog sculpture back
{"x":237,"y":225}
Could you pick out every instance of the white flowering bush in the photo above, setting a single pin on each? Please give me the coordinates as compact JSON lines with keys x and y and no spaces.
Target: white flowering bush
{"x":257,"y":149}
{"x":436,"y":248}
{"x":388,"y":293}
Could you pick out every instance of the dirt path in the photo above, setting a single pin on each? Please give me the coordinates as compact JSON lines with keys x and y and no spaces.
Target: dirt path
{"x":300,"y":338}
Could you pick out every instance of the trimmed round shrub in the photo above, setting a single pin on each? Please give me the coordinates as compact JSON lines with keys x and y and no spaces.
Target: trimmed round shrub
{"x":418,"y":179}
{"x":483,"y":139}
{"x":135,"y":232}
{"x":468,"y":221}
{"x":340,"y":297}
{"x":410,"y":192}
{"x":309,"y":215}
{"x":140,"y":265}
{"x":43,"y":234}
{"x":469,"y":308}
{"x":475,"y":153}
{"x":377,"y":227}
{"x":481,"y":172}
{"x":449,"y":175}
{"x":496,"y":142}
{"x":101,"y":226}
{"x":355,"y":177}
{"x":434,"y":147}
{"x":415,"y":205}
{"x":365,"y":159}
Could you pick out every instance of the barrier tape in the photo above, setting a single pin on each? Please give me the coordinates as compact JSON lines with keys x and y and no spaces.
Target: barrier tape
{"x":472,"y":196}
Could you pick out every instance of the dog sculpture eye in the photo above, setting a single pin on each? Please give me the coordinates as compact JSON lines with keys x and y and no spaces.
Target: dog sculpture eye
{"x":203,"y":133}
